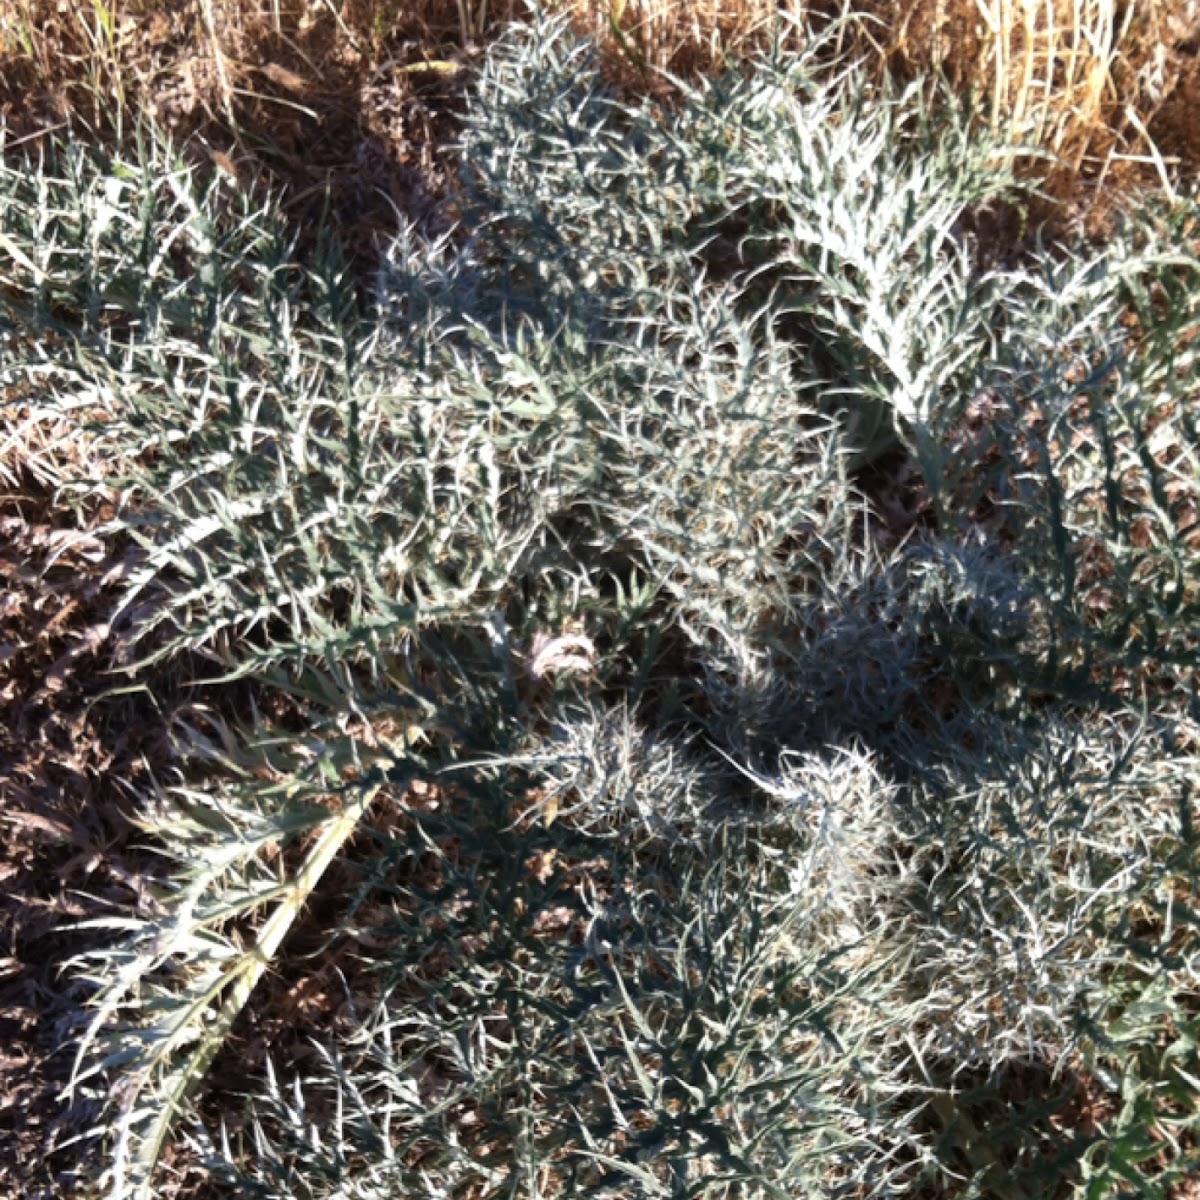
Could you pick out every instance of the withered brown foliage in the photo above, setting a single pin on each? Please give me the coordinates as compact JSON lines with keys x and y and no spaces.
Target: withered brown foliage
{"x":356,"y":96}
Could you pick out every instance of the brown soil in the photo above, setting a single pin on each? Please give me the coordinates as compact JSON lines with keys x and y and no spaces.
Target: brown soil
{"x":69,"y":751}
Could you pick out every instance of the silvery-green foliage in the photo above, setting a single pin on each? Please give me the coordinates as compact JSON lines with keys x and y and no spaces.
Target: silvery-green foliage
{"x":843,"y":664}
{"x":808,"y":831}
{"x":1086,"y":455}
{"x":849,"y":847}
{"x":585,"y":284}
{"x":587,"y":199}
{"x":117,"y":280}
{"x":971,"y":600}
{"x":248,"y":851}
{"x":842,"y":206}
{"x":852,"y":205}
{"x":1044,"y":867}
{"x":970,"y":587}
{"x":630,"y":1030}
{"x":603,"y":772}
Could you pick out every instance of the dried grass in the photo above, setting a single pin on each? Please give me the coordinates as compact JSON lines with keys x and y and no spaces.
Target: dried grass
{"x":312,"y":89}
{"x":1107,"y":89}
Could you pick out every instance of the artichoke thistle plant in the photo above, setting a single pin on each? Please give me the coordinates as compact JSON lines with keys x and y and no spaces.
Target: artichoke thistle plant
{"x":818,"y":837}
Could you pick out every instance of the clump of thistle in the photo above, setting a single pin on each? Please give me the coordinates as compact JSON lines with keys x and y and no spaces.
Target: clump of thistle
{"x":702,"y":841}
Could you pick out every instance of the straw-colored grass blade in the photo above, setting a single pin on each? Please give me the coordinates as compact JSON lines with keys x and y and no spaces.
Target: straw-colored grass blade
{"x":134,"y":1173}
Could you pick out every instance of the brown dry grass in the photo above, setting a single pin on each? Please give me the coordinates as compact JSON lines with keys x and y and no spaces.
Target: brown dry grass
{"x":1109,"y":89}
{"x":356,"y":92}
